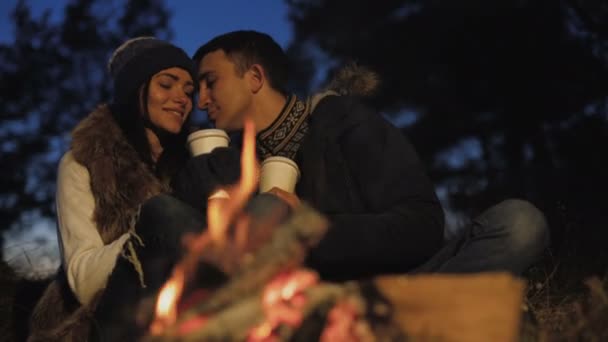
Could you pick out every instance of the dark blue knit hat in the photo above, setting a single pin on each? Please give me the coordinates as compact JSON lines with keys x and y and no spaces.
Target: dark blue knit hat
{"x":138,"y":59}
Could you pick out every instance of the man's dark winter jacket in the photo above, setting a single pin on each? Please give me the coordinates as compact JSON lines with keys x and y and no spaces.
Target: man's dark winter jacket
{"x":361,"y":172}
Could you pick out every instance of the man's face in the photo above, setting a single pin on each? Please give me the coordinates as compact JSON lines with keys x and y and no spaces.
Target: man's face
{"x":224,"y":94}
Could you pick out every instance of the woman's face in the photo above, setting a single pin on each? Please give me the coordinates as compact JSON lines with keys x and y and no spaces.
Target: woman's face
{"x":170,"y":99}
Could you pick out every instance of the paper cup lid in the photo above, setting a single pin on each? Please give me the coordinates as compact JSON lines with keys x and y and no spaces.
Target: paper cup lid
{"x":211,"y":132}
{"x":282,"y":160}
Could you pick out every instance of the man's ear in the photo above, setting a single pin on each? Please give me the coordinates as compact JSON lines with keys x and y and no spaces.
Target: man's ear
{"x":256,"y":77}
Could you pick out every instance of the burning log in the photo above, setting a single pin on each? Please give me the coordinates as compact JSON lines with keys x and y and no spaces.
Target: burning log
{"x":389,"y":308}
{"x":253,"y":229}
{"x":285,"y":251}
{"x":236,"y":321}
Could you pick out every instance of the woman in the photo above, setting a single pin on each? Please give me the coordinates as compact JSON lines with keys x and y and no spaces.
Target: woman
{"x":111,"y":190}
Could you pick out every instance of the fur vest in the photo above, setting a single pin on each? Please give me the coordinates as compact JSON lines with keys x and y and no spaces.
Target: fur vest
{"x":120,"y":182}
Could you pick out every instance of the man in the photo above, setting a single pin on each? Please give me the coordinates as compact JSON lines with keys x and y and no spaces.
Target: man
{"x":356,"y":168}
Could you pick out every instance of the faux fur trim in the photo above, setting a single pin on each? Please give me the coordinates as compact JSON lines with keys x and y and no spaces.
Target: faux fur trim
{"x":354,"y":79}
{"x":120,"y":180}
{"x":58,"y":316}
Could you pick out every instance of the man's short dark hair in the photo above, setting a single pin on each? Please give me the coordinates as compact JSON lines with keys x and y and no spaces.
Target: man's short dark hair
{"x":245,"y":48}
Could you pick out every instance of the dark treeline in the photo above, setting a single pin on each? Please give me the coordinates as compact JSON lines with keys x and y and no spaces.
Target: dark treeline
{"x":522,"y":86}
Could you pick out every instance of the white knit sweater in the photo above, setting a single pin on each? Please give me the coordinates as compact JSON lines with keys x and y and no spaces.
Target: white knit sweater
{"x":87,"y":261}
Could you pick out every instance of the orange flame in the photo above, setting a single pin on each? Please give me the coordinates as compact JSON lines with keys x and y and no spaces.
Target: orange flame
{"x":220,"y":212}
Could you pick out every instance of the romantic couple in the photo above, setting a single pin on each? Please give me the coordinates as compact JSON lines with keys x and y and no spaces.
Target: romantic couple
{"x":128,"y":189}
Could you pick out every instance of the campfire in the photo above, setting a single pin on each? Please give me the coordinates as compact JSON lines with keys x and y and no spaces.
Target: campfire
{"x":269,"y":295}
{"x":260,"y":247}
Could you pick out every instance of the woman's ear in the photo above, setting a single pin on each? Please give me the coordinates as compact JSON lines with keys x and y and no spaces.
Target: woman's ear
{"x":256,"y":77}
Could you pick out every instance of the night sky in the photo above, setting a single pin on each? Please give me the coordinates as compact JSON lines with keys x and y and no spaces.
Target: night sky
{"x":193,"y":22}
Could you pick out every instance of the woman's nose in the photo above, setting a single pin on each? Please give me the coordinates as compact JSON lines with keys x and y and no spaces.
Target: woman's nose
{"x":181,"y":98}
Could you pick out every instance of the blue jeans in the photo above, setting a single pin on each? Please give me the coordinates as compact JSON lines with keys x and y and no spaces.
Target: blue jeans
{"x":509,"y":236}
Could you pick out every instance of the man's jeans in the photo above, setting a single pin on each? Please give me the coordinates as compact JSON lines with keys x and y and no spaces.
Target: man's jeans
{"x":509,"y":236}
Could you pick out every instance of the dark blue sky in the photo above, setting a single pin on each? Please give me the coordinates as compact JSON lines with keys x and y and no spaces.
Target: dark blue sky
{"x":193,"y":21}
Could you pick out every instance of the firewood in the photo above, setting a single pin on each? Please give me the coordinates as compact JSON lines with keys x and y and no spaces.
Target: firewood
{"x":251,"y":230}
{"x":286,"y":250}
{"x":319,"y":297}
{"x":235,"y":322}
{"x":473,"y":307}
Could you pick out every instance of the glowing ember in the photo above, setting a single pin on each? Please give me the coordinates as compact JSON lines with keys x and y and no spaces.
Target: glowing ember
{"x":345,"y":324}
{"x":192,"y":325}
{"x":283,"y":301}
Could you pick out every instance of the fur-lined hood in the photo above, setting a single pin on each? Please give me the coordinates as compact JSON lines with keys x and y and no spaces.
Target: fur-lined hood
{"x":355,"y":80}
{"x":351,"y":79}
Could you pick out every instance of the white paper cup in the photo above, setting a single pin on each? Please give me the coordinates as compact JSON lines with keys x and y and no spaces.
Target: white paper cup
{"x":205,"y":140}
{"x":281,"y":172}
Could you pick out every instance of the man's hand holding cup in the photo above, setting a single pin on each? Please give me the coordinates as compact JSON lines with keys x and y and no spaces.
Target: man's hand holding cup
{"x":279,"y":176}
